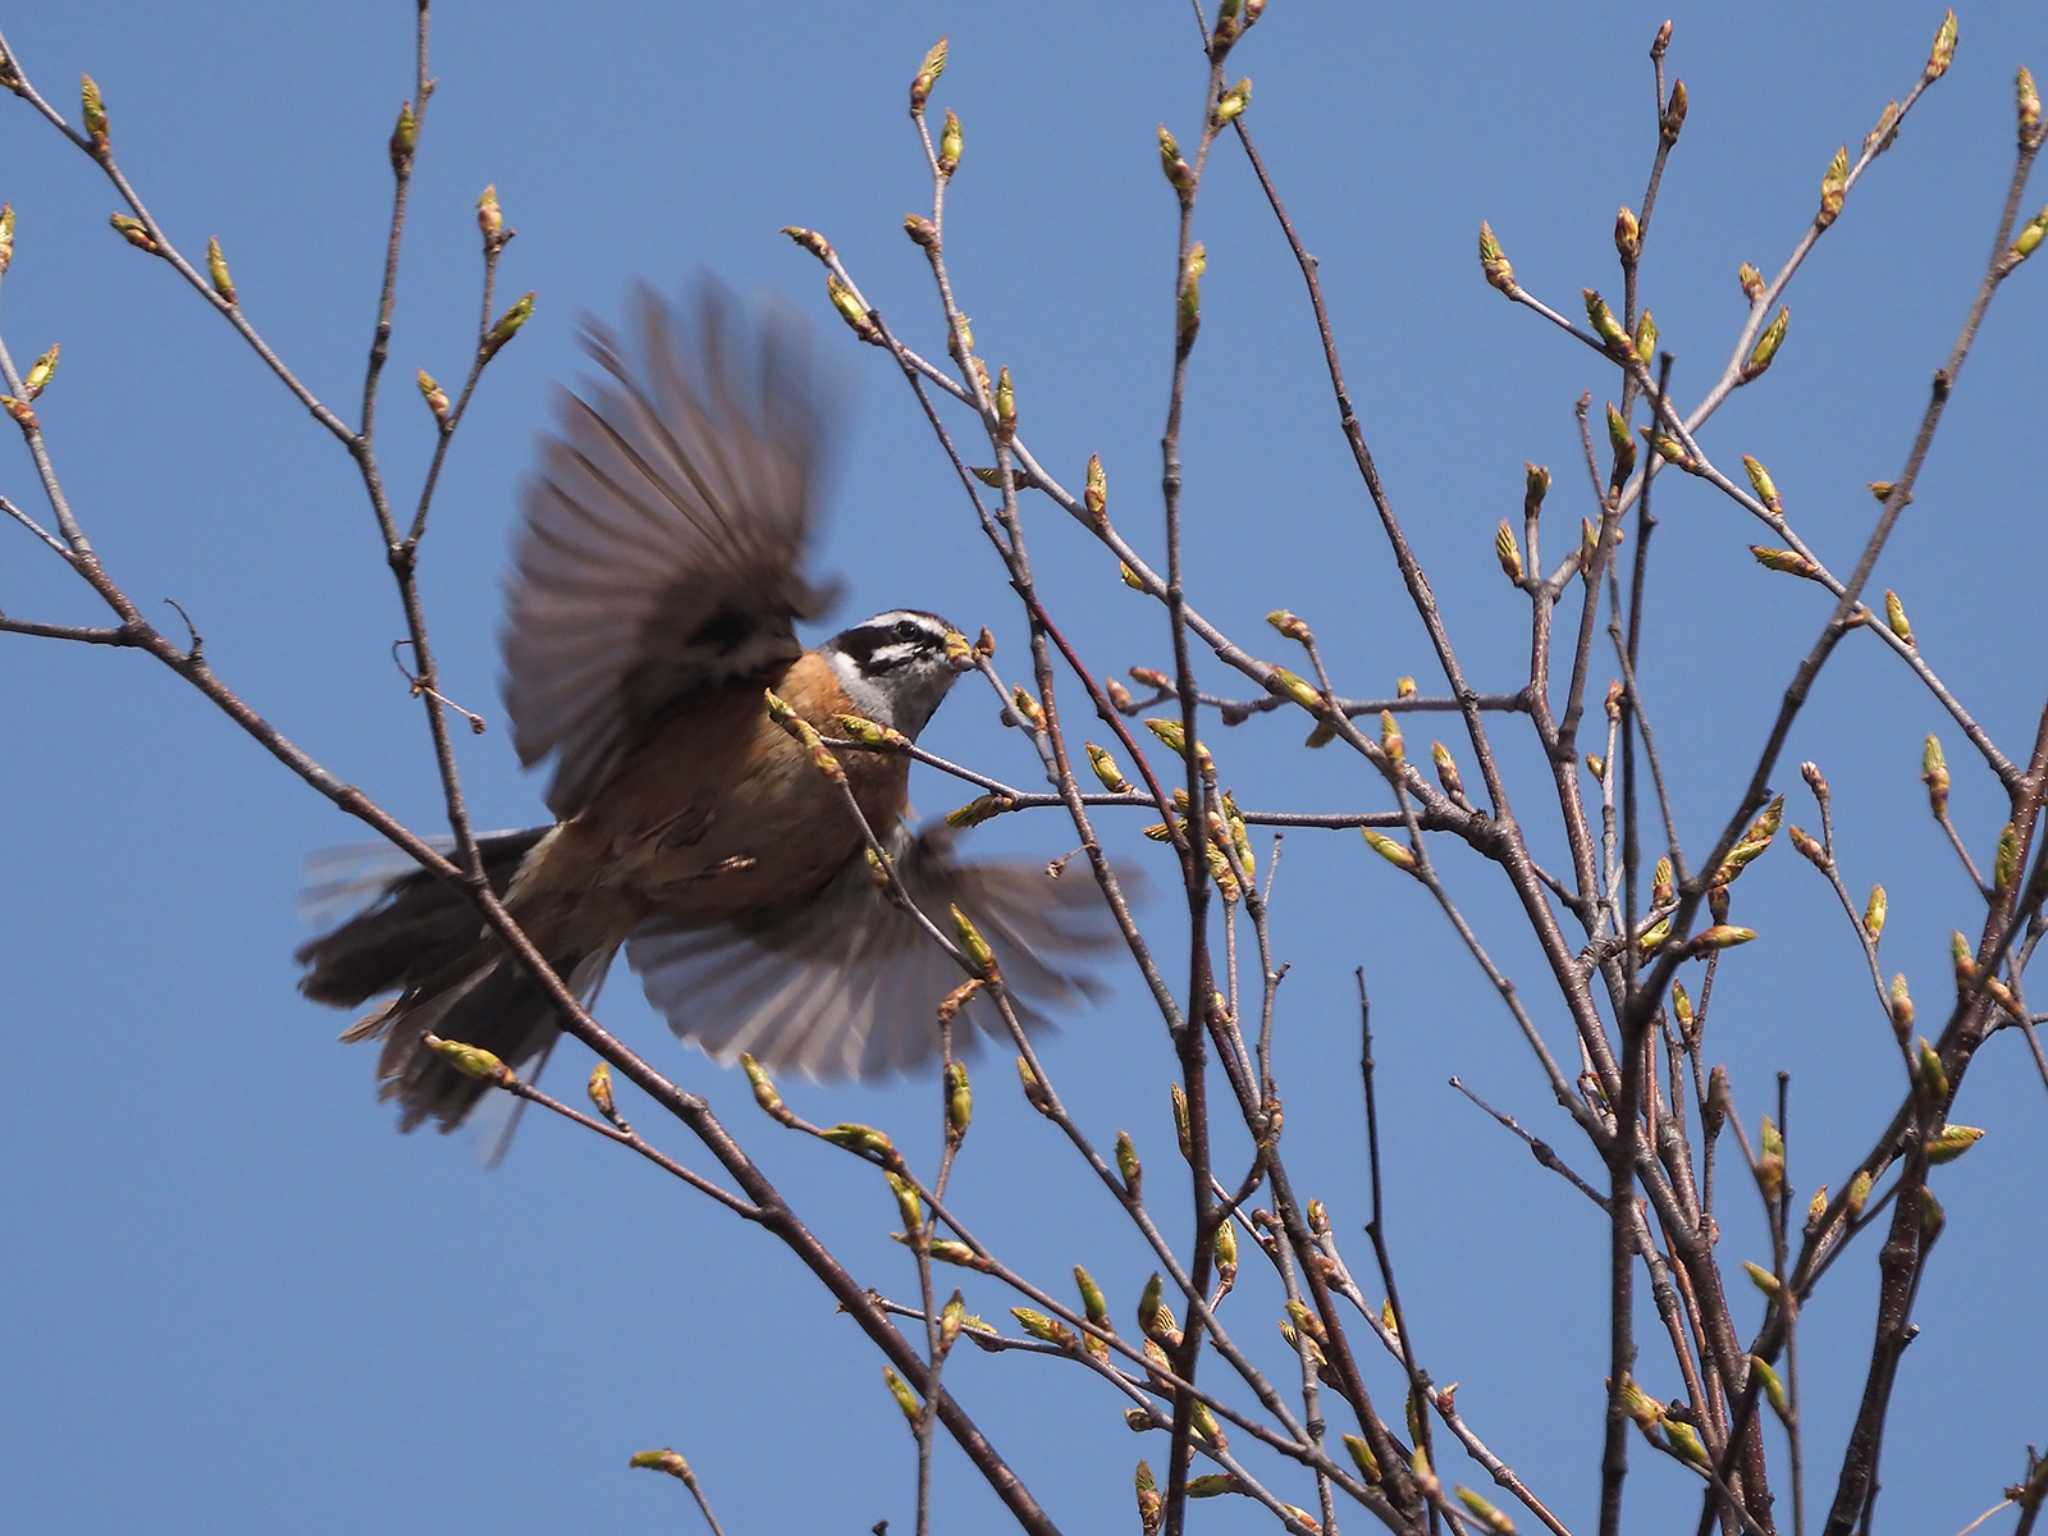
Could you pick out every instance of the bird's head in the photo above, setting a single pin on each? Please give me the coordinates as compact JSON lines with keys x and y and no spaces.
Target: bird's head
{"x":896,"y":666}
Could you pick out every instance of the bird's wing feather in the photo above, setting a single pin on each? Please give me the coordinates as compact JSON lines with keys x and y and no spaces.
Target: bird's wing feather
{"x":663,"y":537}
{"x":847,"y":984}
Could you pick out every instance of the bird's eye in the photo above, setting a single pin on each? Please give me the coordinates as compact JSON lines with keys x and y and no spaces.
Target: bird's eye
{"x":905,"y":630}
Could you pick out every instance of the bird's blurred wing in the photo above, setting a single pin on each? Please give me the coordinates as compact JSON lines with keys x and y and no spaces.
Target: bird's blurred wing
{"x":663,"y":535}
{"x":847,"y":984}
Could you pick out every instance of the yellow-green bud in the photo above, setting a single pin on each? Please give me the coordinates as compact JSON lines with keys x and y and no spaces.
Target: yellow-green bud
{"x":2029,"y":102}
{"x":1895,"y":617}
{"x":1485,"y":1513}
{"x":855,"y":1137}
{"x":1494,"y":262}
{"x":950,"y":144}
{"x":1766,"y":487}
{"x":1508,"y":552}
{"x":971,"y":941}
{"x":1210,"y":1484}
{"x":1039,"y":1326}
{"x":1605,"y":326}
{"x":1720,"y":936}
{"x":470,"y":1060}
{"x":1859,"y":1193}
{"x":133,"y":231}
{"x":40,"y":372}
{"x":1190,"y":303}
{"x":1391,"y":741}
{"x":1362,"y":1457}
{"x":1943,"y":53}
{"x":95,"y":111}
{"x":1107,"y":771}
{"x":1767,"y":345}
{"x":1686,"y":1441}
{"x":907,"y":1201}
{"x":1095,"y":494}
{"x":906,"y":1400}
{"x":600,"y":1090}
{"x":1932,"y":1073}
{"x":1788,"y":561}
{"x":1874,"y":911}
{"x":405,"y":138}
{"x":1681,"y":1006}
{"x":959,"y":1100}
{"x":927,"y":75}
{"x":1388,"y":849}
{"x":1299,"y":689}
{"x":1932,"y":1217}
{"x":1901,"y":1003}
{"x":6,"y":237}
{"x":217,"y":270}
{"x":508,"y":323}
{"x":2005,"y":864}
{"x":665,"y":1461}
{"x":1646,"y":338}
{"x":1834,"y":186}
{"x":1128,"y":1165}
{"x":1773,"y":1387}
{"x":1006,"y":406}
{"x":1232,"y":102}
{"x":1934,"y":774}
{"x":1179,"y":174}
{"x":1952,"y":1141}
{"x":1752,"y":282}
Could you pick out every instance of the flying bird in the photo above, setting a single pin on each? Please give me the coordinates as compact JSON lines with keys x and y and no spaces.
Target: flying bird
{"x":657,"y":584}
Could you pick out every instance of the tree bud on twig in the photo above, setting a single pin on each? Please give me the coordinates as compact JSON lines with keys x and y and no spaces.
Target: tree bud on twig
{"x":2005,"y":864}
{"x":1388,"y":849}
{"x":40,"y":372}
{"x":1493,"y":261}
{"x":1900,"y":1001}
{"x":1508,"y":552}
{"x":1858,"y":1193}
{"x":2029,"y":100}
{"x":1095,"y":493}
{"x":1934,"y":774}
{"x":1179,"y":174}
{"x":435,"y":396}
{"x":1646,"y":338}
{"x":1931,"y":1072}
{"x":1628,"y":234}
{"x":1895,"y":617}
{"x":1943,"y":53}
{"x":1874,"y":911}
{"x":959,"y":1101}
{"x":405,"y":138}
{"x":94,"y":110}
{"x":1605,"y":326}
{"x":1752,"y":282}
{"x":1231,"y":104}
{"x":1128,"y":1165}
{"x":1952,"y":1141}
{"x":133,"y":231}
{"x":950,"y":145}
{"x":1151,"y":1502}
{"x":1834,"y":186}
{"x":927,"y":76}
{"x":1767,"y":346}
{"x":217,"y":270}
{"x":1673,"y":120}
{"x":906,"y":1400}
{"x":1789,"y":561}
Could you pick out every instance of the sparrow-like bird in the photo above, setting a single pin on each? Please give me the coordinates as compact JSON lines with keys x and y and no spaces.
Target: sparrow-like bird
{"x":656,"y":589}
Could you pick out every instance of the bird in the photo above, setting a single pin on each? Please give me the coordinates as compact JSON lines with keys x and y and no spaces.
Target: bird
{"x":656,"y":585}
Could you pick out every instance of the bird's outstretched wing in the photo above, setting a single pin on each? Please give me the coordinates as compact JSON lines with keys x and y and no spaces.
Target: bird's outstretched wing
{"x":663,"y":535}
{"x":847,"y":985}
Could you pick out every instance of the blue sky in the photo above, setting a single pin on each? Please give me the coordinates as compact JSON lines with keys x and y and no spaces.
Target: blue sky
{"x":235,"y":1298}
